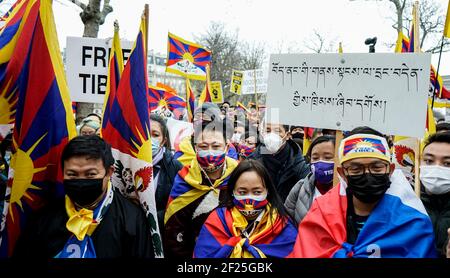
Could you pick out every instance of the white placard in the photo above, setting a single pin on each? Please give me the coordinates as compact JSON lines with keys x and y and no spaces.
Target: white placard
{"x":178,"y":130}
{"x":87,"y":67}
{"x":387,"y":92}
{"x":248,"y":84}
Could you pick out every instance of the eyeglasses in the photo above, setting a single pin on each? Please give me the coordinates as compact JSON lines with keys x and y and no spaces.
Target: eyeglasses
{"x":375,"y":168}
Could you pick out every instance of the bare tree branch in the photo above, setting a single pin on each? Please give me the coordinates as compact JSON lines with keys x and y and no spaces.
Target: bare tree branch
{"x":319,"y":44}
{"x":79,"y":4}
{"x":105,"y":11}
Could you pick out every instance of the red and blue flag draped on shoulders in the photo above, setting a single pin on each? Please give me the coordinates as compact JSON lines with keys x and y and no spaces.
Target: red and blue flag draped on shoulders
{"x":17,"y":20}
{"x":188,"y":187}
{"x":127,"y":130}
{"x":220,"y":236}
{"x":44,"y":121}
{"x":397,"y":227}
{"x":187,"y":58}
{"x":159,"y":98}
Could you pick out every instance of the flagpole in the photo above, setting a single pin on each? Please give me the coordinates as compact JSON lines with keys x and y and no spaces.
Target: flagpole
{"x":146,"y":15}
{"x":256,"y":92}
{"x":417,"y":147}
{"x":437,"y":70}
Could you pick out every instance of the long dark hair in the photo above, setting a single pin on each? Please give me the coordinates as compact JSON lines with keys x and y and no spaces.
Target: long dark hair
{"x":165,"y":131}
{"x":251,"y":165}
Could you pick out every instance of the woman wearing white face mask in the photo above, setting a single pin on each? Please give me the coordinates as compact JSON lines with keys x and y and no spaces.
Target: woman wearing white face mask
{"x":249,"y":220}
{"x":282,"y":157}
{"x":435,"y":179}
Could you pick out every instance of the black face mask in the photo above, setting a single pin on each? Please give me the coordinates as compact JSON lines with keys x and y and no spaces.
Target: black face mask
{"x":297,"y":135}
{"x":368,"y":188}
{"x":83,"y":192}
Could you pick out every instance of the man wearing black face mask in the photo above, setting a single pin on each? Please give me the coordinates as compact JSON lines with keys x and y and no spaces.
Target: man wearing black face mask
{"x":372,"y":213}
{"x":367,"y":175}
{"x":92,"y":221}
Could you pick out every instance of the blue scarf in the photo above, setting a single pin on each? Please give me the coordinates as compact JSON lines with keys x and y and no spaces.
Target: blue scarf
{"x":80,"y":245}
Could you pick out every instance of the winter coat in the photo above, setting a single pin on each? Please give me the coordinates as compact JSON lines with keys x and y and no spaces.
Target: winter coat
{"x":300,"y":198}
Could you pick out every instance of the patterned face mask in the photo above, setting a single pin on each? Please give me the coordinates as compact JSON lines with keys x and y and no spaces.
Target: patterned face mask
{"x":245,"y":150}
{"x":250,"y":205}
{"x":211,"y":160}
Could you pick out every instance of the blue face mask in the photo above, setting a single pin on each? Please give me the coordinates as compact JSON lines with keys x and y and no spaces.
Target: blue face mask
{"x":7,"y":157}
{"x":156,"y":145}
{"x":323,"y":171}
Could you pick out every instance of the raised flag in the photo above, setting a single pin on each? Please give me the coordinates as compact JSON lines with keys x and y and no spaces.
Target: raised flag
{"x":16,"y":22}
{"x":447,"y":22}
{"x":187,"y":58}
{"x":402,"y":44}
{"x":190,"y":101}
{"x":128,"y":133}
{"x":115,"y":68}
{"x":160,"y":100}
{"x":44,"y":121}
{"x":240,"y":106}
{"x":205,"y":96}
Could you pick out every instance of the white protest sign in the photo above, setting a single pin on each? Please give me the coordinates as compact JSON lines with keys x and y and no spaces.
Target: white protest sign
{"x":87,"y":67}
{"x":248,"y":84}
{"x":387,"y":92}
{"x":178,"y":130}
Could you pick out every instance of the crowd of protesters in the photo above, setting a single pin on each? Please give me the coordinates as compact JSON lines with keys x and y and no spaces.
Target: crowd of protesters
{"x":240,"y":186}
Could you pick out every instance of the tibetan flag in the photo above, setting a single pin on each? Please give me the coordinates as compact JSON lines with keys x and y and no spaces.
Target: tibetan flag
{"x":115,"y":68}
{"x":44,"y":121}
{"x":206,"y":93}
{"x":19,"y":23}
{"x":167,"y":88}
{"x":447,"y":22}
{"x":190,"y":101}
{"x":160,"y":99}
{"x":436,"y":83}
{"x":188,"y":186}
{"x":186,"y":58}
{"x":414,"y":33}
{"x":402,"y":44}
{"x":403,"y":155}
{"x":128,"y":133}
{"x":9,"y":12}
{"x":221,"y":236}
{"x":398,"y":227}
{"x":308,"y":133}
{"x":74,"y":108}
{"x":241,"y":106}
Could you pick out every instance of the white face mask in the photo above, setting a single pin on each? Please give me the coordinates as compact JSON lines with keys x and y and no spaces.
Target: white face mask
{"x":273,"y":142}
{"x":258,"y":198}
{"x":236,"y":138}
{"x":435,"y":179}
{"x":7,"y":157}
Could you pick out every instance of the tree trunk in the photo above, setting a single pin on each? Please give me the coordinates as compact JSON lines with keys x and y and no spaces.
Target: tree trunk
{"x":92,"y":18}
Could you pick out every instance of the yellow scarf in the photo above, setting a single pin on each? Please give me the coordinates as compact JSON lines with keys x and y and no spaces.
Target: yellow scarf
{"x":240,"y":223}
{"x":194,"y":179}
{"x":82,"y":222}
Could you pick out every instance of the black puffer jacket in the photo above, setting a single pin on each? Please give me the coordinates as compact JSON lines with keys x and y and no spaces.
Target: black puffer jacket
{"x":286,"y":167}
{"x":169,"y":168}
{"x":438,"y":208}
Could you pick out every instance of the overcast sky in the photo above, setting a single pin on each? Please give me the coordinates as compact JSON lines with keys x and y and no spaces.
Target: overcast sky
{"x":273,"y":22}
